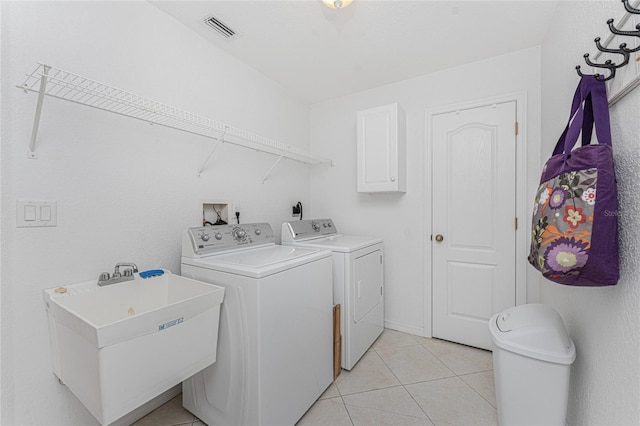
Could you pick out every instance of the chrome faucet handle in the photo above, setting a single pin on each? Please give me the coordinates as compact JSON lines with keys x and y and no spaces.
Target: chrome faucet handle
{"x":126,"y":264}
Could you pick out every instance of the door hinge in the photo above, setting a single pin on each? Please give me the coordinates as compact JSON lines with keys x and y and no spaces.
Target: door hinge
{"x":380,"y":291}
{"x":381,"y":259}
{"x":517,"y":127}
{"x":516,"y":222}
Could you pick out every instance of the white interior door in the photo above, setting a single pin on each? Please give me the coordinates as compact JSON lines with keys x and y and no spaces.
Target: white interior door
{"x":474,"y":227}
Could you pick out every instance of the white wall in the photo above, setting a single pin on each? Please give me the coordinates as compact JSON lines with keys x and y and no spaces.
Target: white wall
{"x":400,"y":218}
{"x":125,"y":190}
{"x":603,"y":322}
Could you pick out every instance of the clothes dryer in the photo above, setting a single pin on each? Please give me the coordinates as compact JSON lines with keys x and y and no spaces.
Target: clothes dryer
{"x":275,"y":344}
{"x":358,"y":281}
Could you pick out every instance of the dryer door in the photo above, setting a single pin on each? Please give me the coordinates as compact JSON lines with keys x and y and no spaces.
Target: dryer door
{"x":367,"y":279}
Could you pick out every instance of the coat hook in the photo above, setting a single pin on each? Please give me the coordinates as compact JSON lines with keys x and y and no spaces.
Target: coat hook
{"x":616,"y":31}
{"x":630,"y":8}
{"x":607,"y":64}
{"x":622,"y":51}
{"x":598,"y":77}
{"x":578,"y":71}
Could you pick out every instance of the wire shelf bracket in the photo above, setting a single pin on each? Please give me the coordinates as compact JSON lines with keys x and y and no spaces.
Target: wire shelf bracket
{"x":36,"y":119}
{"x":274,"y":165}
{"x":54,"y":82}
{"x":204,"y":165}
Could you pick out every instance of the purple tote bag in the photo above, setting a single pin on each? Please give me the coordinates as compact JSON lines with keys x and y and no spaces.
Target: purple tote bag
{"x":574,"y":235}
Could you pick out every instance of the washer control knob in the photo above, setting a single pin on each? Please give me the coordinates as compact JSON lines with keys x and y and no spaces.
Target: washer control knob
{"x":204,"y":237}
{"x":240,"y":234}
{"x":218,"y":236}
{"x":258,"y":232}
{"x":315,"y":226}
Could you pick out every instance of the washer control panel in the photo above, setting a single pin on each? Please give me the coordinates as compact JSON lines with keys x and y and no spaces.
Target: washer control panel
{"x":308,"y":228}
{"x":207,"y":239}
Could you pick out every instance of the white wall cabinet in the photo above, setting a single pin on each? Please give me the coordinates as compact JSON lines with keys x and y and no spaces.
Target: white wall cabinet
{"x":382,"y":149}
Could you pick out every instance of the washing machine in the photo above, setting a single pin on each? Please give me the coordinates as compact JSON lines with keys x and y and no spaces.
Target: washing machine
{"x":275,"y":341}
{"x":358,"y":281}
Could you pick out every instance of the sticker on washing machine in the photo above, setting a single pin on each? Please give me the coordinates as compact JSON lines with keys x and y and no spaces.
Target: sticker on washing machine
{"x":170,"y":323}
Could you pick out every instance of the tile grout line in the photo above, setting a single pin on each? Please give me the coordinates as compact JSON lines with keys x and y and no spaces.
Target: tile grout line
{"x":435,"y":355}
{"x":481,"y":396}
{"x":403,"y":387}
{"x":345,"y":408}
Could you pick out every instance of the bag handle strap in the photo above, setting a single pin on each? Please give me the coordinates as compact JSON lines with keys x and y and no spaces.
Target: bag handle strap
{"x":601,"y":113}
{"x":582,"y":92}
{"x":595,"y":111}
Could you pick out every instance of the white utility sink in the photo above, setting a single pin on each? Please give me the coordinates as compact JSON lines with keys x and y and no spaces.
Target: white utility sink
{"x":120,"y":345}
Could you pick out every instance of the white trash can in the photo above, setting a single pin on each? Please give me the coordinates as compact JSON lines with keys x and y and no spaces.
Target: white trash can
{"x":532,"y":357}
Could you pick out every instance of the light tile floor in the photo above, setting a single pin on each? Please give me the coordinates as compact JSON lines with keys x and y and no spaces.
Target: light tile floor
{"x":402,"y":380}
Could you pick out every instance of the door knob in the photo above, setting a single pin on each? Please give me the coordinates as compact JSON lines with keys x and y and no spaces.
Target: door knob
{"x":439,"y":238}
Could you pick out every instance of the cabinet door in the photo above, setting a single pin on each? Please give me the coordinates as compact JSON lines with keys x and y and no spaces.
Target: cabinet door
{"x":381,"y":149}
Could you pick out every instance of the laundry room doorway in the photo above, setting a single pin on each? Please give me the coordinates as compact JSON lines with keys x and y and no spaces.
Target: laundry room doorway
{"x":474,"y":184}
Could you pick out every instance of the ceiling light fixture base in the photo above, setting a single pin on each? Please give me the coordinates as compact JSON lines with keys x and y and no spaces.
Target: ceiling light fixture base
{"x":337,"y":4}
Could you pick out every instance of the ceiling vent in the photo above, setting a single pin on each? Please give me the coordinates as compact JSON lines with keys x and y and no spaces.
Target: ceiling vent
{"x":222,"y":28}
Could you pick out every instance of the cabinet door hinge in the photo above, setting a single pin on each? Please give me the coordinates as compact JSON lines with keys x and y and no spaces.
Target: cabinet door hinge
{"x":517,"y":127}
{"x":516,"y":222}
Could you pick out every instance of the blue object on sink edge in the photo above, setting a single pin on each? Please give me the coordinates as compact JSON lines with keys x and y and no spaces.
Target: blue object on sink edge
{"x":151,"y":273}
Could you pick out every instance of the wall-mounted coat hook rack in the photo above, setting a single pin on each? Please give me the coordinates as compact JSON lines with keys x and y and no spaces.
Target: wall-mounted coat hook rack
{"x":623,"y":50}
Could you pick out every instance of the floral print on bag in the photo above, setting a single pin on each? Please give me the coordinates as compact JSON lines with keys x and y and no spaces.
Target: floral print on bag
{"x":562,"y":223}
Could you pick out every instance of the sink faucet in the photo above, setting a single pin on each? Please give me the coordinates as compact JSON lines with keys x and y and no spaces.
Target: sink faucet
{"x":118,"y":277}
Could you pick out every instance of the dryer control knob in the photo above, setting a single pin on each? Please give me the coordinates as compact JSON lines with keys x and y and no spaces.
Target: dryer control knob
{"x":204,"y":237}
{"x":240,"y":234}
{"x":258,"y":232}
{"x":218,"y":236}
{"x":315,"y":226}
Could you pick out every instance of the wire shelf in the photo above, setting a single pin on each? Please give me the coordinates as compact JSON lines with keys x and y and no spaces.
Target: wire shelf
{"x":57,"y":83}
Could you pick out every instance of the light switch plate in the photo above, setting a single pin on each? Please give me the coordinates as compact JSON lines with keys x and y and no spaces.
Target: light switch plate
{"x":34,"y":214}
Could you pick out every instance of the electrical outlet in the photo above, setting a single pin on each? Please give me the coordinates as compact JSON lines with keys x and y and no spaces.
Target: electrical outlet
{"x":295,"y":211}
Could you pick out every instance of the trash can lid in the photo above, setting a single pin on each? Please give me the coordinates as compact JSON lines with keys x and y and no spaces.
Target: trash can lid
{"x":535,"y":331}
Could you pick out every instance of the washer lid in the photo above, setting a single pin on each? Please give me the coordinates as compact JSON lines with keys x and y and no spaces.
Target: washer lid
{"x":535,"y":331}
{"x":339,"y":243}
{"x":263,"y":257}
{"x":259,"y":262}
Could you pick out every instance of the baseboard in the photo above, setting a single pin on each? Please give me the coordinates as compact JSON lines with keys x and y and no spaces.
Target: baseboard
{"x":405,"y":328}
{"x":145,"y":409}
